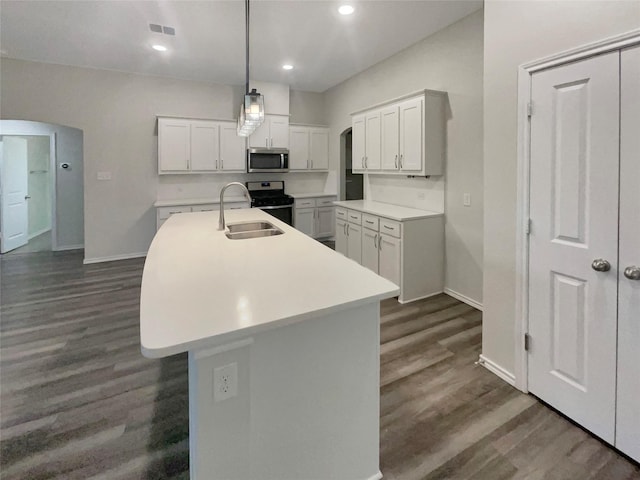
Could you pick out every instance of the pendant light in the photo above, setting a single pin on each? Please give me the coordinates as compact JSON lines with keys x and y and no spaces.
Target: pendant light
{"x":252,"y":108}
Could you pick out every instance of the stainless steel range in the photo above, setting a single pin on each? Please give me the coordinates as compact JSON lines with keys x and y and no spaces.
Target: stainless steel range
{"x":270,"y":197}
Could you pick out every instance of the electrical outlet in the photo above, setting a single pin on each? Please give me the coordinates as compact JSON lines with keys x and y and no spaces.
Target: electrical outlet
{"x":225,"y":382}
{"x":104,"y":175}
{"x":466,"y":200}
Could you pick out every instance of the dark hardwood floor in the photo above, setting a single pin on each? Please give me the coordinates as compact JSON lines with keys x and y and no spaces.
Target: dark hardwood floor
{"x":79,"y":401}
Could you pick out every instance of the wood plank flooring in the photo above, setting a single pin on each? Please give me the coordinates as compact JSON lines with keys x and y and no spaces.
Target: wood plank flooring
{"x":78,"y":400}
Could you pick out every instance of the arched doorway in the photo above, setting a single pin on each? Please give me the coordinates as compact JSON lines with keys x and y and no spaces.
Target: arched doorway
{"x":351,"y":184}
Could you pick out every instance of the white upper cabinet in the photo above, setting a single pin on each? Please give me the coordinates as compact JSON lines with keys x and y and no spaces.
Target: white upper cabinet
{"x":174,"y":145}
{"x":405,"y":136}
{"x":308,"y":148}
{"x":233,"y":150}
{"x":272,"y":133}
{"x":199,"y":146}
{"x":205,"y":146}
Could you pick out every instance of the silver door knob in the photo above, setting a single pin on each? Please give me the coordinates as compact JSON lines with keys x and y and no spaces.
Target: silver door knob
{"x":632,"y":272}
{"x":600,"y":265}
{"x":27,"y":197}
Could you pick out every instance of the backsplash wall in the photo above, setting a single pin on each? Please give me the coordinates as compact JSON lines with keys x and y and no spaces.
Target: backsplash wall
{"x":420,"y":192}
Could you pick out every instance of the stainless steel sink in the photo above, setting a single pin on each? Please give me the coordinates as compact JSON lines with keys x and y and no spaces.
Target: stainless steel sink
{"x":240,"y":231}
{"x":250,"y":226}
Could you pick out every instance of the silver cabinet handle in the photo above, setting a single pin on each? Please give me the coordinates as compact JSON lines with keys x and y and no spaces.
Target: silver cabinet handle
{"x":632,"y":272}
{"x":380,"y":243}
{"x":272,"y":143}
{"x":347,"y":229}
{"x":600,"y":265}
{"x":401,"y":158}
{"x":266,"y":142}
{"x":312,"y":163}
{"x":27,"y":197}
{"x":396,"y":161}
{"x":375,"y":241}
{"x":366,"y":162}
{"x":344,"y":229}
{"x":362,"y":162}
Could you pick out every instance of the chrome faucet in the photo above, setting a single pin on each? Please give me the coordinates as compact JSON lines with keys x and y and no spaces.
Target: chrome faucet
{"x":221,"y":224}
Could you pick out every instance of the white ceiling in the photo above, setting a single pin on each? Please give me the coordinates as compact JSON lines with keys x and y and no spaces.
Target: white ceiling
{"x":324,"y":46}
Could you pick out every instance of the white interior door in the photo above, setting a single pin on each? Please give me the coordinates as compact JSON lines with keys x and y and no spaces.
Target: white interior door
{"x":15,"y":193}
{"x":573,"y":209}
{"x":628,"y":399}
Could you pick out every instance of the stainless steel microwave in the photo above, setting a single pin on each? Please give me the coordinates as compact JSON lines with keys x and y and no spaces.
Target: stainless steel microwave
{"x":267,"y":160}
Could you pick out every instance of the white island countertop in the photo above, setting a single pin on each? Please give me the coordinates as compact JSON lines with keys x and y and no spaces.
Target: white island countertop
{"x":387,"y":210}
{"x":200,"y":288}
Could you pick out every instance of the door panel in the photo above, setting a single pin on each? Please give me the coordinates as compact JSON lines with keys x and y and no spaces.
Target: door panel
{"x":628,"y":412}
{"x":305,"y":219}
{"x":341,"y":237}
{"x":411,"y":135}
{"x":174,"y":145}
{"x":373,"y":142}
{"x":574,"y":197}
{"x":279,"y":129}
{"x":326,"y":216}
{"x":390,"y":140}
{"x":358,"y":144}
{"x":354,"y":241}
{"x":205,"y":146}
{"x":233,"y":149}
{"x":319,"y":148}
{"x":299,"y":148}
{"x":390,"y":260}
{"x":15,"y":190}
{"x":370,"y":249}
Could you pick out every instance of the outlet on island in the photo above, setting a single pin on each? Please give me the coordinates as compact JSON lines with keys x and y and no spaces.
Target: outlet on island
{"x":225,"y":382}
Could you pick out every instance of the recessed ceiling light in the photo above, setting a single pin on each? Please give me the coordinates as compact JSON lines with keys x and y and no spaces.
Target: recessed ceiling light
{"x":287,"y":67}
{"x":160,"y":48}
{"x":346,"y":10}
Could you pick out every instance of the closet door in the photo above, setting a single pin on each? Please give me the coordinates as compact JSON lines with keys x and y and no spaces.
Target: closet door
{"x":574,"y":237}
{"x":628,"y":412}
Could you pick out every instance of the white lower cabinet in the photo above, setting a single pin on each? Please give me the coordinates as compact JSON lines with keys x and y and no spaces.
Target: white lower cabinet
{"x":315,"y":216}
{"x":164,"y":212}
{"x":408,"y":253}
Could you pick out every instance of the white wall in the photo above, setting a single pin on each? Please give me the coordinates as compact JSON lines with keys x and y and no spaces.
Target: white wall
{"x":68,"y":182}
{"x":117,"y":112}
{"x":516,"y":33}
{"x":449,"y":60}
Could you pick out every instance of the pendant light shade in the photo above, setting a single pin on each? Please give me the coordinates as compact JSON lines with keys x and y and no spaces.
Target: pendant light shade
{"x":251,"y":113}
{"x":252,"y":108}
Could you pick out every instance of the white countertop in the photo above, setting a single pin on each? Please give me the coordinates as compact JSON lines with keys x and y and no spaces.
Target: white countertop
{"x":200,"y":288}
{"x":311,"y":195}
{"x":387,"y":210}
{"x":197,"y":201}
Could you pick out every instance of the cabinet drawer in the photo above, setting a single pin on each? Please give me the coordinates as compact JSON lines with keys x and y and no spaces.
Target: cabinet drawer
{"x":354,"y":217}
{"x":341,"y":213}
{"x":390,"y":227}
{"x":166,"y":212}
{"x":325,"y":201}
{"x":306,"y":203}
{"x":213,"y":207}
{"x":370,"y":221}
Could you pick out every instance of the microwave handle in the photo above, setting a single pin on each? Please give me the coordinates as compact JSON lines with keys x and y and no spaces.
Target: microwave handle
{"x":282,"y":161}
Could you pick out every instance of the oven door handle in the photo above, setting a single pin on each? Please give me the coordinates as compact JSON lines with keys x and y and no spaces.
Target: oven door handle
{"x":275,"y":207}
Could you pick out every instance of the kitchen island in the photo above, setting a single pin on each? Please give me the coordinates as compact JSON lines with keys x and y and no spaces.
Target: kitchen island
{"x":283,"y":341}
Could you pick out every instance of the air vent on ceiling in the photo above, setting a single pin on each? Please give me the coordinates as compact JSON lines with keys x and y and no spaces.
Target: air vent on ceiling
{"x":154,"y":27}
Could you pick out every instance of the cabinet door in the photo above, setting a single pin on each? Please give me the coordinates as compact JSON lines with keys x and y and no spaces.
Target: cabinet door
{"x":390,"y":139}
{"x":305,"y":219}
{"x":325,"y":221}
{"x":358,"y":143}
{"x":233,"y":149}
{"x":341,"y":237}
{"x":373,"y":143}
{"x":411,"y":140}
{"x":205,"y":146}
{"x":319,"y":148}
{"x":279,"y":132}
{"x":260,"y":137}
{"x":370,"y":249}
{"x":389,"y":266}
{"x":174,"y":145}
{"x":354,"y":242}
{"x":299,"y":148}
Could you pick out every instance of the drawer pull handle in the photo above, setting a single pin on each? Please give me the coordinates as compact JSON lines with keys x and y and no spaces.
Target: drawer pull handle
{"x":369,"y":221}
{"x":390,"y":228}
{"x":355,"y":218}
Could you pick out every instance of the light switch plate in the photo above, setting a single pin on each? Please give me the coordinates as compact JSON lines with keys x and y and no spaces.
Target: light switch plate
{"x":225,"y":382}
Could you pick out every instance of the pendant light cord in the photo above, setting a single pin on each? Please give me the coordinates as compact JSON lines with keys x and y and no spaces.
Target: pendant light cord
{"x":246,"y":4}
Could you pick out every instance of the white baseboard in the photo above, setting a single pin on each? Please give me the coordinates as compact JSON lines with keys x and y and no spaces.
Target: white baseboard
{"x":419,"y":298}
{"x":68,"y":247}
{"x":463,"y":298}
{"x":113,"y":258}
{"x":40,"y":232}
{"x":497,"y":370}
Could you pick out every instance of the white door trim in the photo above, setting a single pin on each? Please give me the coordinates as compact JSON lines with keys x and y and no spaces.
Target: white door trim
{"x":525,"y":71}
